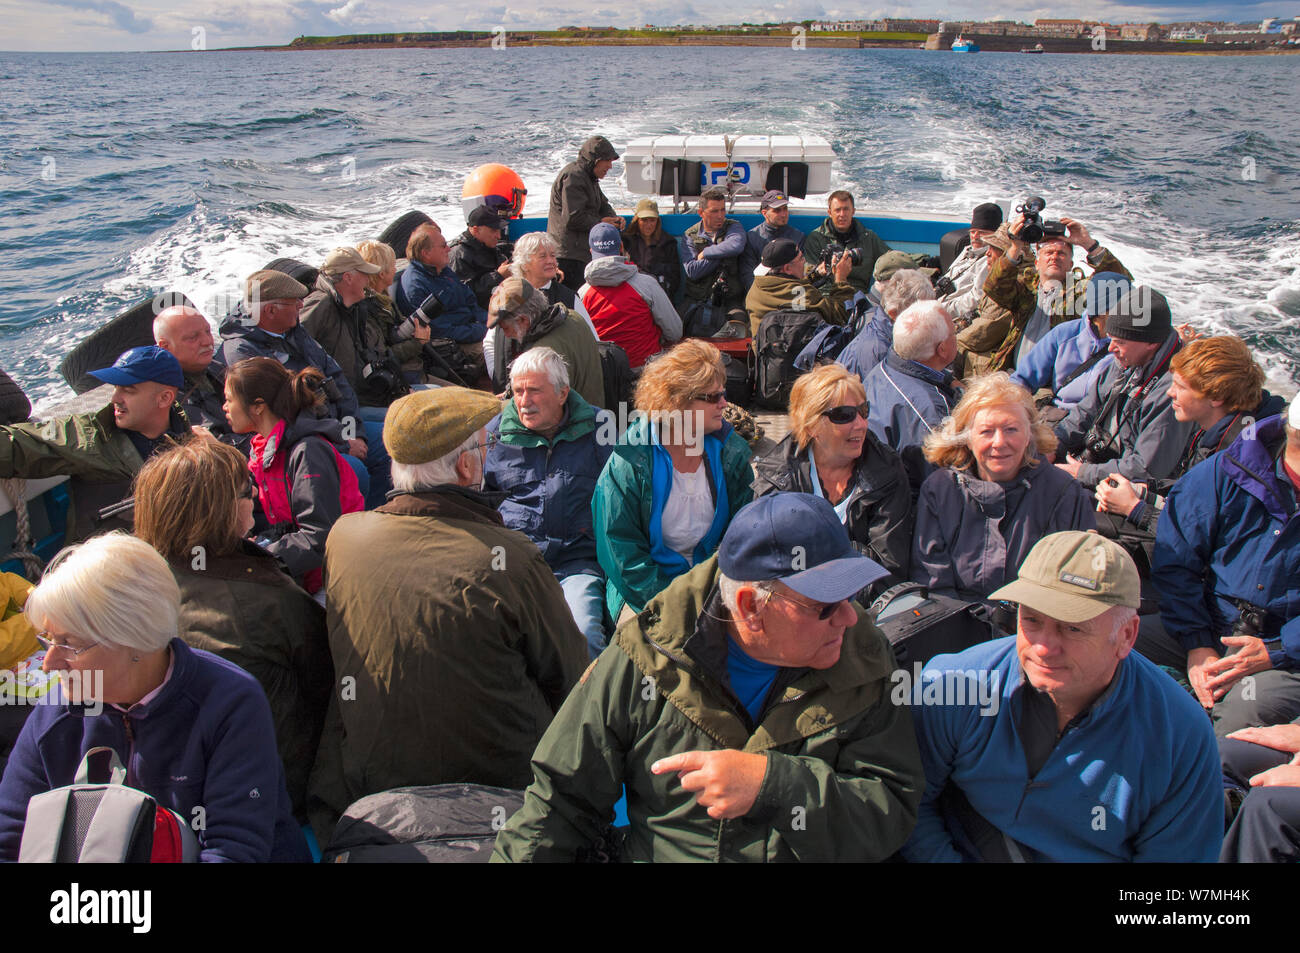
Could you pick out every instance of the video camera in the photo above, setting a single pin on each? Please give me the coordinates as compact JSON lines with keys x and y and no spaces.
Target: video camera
{"x":1035,"y":229}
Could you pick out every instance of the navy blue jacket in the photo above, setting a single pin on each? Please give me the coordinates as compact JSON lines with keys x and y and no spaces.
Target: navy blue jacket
{"x":461,"y":318}
{"x":550,"y":483}
{"x":869,"y":347}
{"x":1230,"y":530}
{"x":907,"y":401}
{"x":206,"y":741}
{"x":756,"y":240}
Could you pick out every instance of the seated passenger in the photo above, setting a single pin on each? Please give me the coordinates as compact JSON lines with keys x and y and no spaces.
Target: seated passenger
{"x":775,"y":209}
{"x":1056,"y":370}
{"x":547,"y":458}
{"x":455,"y":313}
{"x":103,"y":451}
{"x":475,"y":256}
{"x":303,"y":484}
{"x":710,"y":253}
{"x":673,"y":483}
{"x":1063,"y":744}
{"x":194,"y":504}
{"x":536,"y":261}
{"x":405,"y":336}
{"x":911,"y":390}
{"x":899,"y":286}
{"x":652,"y":249}
{"x":453,"y":626}
{"x":995,"y":493}
{"x":1125,"y":422}
{"x":784,"y":287}
{"x":1227,"y":555}
{"x":627,"y":307}
{"x":185,"y":334}
{"x":840,"y":228}
{"x":969,"y":269}
{"x":526,"y":321}
{"x":107,"y":612}
{"x":1215,"y":384}
{"x":831,"y":452}
{"x":1260,"y":771}
{"x":745,"y":715}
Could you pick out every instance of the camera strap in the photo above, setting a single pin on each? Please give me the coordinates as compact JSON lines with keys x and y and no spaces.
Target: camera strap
{"x":1134,"y":400}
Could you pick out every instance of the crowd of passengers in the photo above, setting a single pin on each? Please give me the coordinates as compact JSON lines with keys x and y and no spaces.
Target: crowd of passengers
{"x":347,"y":566}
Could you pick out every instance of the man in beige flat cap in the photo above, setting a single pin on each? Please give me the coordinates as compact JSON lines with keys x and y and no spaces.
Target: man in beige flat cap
{"x":1063,"y":744}
{"x":450,"y":631}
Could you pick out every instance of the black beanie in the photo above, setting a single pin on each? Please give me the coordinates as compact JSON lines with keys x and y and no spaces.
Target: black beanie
{"x":778,"y":252}
{"x":987,"y":216}
{"x":1141,"y":315}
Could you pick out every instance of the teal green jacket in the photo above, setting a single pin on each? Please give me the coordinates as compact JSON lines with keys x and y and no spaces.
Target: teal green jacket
{"x":622,"y":507}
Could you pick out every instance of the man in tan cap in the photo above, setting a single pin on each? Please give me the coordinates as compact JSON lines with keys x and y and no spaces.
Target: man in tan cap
{"x":1063,"y":744}
{"x":449,"y":632}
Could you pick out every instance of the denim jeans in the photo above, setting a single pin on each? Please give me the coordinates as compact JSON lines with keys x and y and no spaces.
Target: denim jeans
{"x":378,"y":463}
{"x":585,"y":594}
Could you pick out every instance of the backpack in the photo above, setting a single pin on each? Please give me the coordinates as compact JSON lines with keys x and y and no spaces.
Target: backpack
{"x":617,"y":374}
{"x":781,"y":336}
{"x":85,"y":823}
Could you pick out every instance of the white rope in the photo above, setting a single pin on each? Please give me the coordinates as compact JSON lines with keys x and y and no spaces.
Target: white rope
{"x":16,"y":490}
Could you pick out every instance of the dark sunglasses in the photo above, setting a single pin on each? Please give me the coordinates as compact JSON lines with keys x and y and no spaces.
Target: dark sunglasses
{"x":845,"y":414}
{"x":717,"y":397}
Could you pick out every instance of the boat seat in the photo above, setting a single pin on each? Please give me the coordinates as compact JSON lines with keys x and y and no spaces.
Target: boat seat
{"x":951,"y":245}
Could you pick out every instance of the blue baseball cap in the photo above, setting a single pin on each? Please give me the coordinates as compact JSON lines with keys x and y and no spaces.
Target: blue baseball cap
{"x":798,"y":539}
{"x":604,"y":240}
{"x":142,"y":364}
{"x":1104,"y":292}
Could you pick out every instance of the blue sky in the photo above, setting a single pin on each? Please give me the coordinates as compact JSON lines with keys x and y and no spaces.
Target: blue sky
{"x":112,"y":25}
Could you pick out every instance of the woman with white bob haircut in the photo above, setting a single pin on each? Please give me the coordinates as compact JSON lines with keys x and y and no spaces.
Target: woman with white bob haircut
{"x":192,"y":730}
{"x":994,"y":495}
{"x":536,"y":261}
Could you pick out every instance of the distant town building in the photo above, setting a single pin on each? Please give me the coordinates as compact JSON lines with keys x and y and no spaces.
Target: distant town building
{"x":1146,"y":32}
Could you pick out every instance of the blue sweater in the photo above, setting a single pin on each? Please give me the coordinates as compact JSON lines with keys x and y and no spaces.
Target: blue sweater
{"x":1055,"y":356}
{"x":206,"y":741}
{"x":461,"y":318}
{"x":1136,"y":779}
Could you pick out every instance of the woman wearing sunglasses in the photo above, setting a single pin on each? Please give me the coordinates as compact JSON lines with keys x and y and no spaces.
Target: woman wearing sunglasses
{"x":673,"y":483}
{"x":830,"y":452}
{"x":995,"y":494}
{"x":194,"y":505}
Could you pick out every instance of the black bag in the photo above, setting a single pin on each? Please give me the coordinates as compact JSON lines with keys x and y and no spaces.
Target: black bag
{"x":781,"y":336}
{"x":617,"y":373}
{"x":443,"y":358}
{"x":920,"y":624}
{"x":704,"y":319}
{"x":439,"y":823}
{"x":740,"y":378}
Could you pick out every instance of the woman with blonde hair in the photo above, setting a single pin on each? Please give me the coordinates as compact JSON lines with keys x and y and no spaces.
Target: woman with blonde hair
{"x":405,"y":336}
{"x":673,"y":483}
{"x":194,"y":505}
{"x":831,"y":452}
{"x":994,"y":495}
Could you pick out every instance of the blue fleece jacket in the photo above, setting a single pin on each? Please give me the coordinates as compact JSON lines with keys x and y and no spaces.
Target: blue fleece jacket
{"x":864,"y":352}
{"x":461,"y":318}
{"x":1231,"y":530}
{"x":1136,"y":778}
{"x":205,"y":741}
{"x":1055,"y":357}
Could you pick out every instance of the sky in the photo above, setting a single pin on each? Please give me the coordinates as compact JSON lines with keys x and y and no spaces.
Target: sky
{"x":113,"y":26}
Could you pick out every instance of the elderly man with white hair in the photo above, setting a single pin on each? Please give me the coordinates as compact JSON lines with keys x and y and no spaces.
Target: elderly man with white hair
{"x":453,"y":626}
{"x":897,"y":292}
{"x":547,"y":459}
{"x":912,"y":390}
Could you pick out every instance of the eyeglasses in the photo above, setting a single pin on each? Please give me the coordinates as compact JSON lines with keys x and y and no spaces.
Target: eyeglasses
{"x":492,"y":441}
{"x":846,"y":413}
{"x":824,"y":610}
{"x":50,"y":645}
{"x":716,"y":397}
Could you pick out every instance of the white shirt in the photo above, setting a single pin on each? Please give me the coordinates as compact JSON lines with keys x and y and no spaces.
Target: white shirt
{"x":688,"y":512}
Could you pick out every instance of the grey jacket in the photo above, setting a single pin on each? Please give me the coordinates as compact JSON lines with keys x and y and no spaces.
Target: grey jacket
{"x":967,"y":273}
{"x":972,"y":535}
{"x":577,"y":203}
{"x":1148,"y":439}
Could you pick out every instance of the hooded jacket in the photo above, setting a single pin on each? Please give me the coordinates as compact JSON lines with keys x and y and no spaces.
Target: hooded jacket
{"x":860,"y":276}
{"x":629,"y":308}
{"x":972,"y":534}
{"x":869,"y":347}
{"x":630,"y":497}
{"x":843,"y":773}
{"x":476,"y":265}
{"x":460,"y":641}
{"x":204,"y":746}
{"x":880,"y":516}
{"x":1057,"y":355}
{"x":1231,"y":530}
{"x":340,"y":330}
{"x":907,"y":401}
{"x":577,"y":203}
{"x":304,"y":486}
{"x":1149,"y":438}
{"x":773,"y":292}
{"x":461,"y":318}
{"x":549,"y":483}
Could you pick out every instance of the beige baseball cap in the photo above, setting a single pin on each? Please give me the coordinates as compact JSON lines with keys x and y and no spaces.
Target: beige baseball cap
{"x":1074,"y":577}
{"x":342,"y":260}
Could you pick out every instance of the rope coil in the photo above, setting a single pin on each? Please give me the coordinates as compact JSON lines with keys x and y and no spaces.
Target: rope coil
{"x":16,"y":490}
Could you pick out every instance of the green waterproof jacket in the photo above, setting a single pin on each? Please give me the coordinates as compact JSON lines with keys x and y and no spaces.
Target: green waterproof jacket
{"x":621,"y":509}
{"x":843,"y":779}
{"x":871,"y":244}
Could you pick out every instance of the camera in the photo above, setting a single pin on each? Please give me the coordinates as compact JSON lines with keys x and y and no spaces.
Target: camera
{"x":719,"y":292}
{"x":1097,"y":448}
{"x":428,"y":310}
{"x":381,"y":378}
{"x":835,"y":249}
{"x":943,"y":286}
{"x":1251,"y":619}
{"x":1035,"y":228}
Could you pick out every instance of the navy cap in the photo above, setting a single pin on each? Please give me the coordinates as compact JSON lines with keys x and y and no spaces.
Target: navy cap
{"x":798,"y":539}
{"x":482,"y":215}
{"x":142,"y":364}
{"x":604,"y":240}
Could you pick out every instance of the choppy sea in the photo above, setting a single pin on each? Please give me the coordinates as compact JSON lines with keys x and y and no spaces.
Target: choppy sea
{"x":124,"y":175}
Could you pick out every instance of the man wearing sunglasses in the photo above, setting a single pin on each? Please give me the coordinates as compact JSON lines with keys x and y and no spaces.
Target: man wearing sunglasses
{"x":746,"y":712}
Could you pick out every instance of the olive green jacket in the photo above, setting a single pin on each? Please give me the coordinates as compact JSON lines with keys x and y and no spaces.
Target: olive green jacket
{"x":843,"y":779}
{"x":783,"y":293}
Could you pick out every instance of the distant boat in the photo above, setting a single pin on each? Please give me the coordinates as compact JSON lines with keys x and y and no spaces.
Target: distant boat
{"x":963,"y":45}
{"x":1038,"y":48}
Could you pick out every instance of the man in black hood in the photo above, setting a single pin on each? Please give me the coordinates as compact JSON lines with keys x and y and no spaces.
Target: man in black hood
{"x":577,"y":203}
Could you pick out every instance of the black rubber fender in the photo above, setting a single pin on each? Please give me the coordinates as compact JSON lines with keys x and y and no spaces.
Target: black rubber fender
{"x":131,"y":328}
{"x":396,"y":235}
